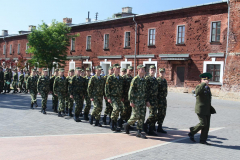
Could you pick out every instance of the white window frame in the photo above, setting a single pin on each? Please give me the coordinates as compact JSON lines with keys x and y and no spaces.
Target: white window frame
{"x":27,"y":47}
{"x":87,"y":43}
{"x":4,"y":49}
{"x":184,"y":34}
{"x":105,"y":62}
{"x":71,"y":62}
{"x":72,"y":44}
{"x":104,"y":44}
{"x":88,"y":62}
{"x":19,"y":46}
{"x":205,"y":63}
{"x":125,"y":36}
{"x":211,"y":31}
{"x":151,"y":62}
{"x":149,"y":37}
{"x":126,"y":62}
{"x":10,"y":51}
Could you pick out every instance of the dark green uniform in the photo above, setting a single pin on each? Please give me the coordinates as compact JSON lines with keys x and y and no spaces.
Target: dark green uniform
{"x":69,"y":101}
{"x":43,"y":86}
{"x":54,"y":97}
{"x":87,"y":98}
{"x":109,"y":108}
{"x":1,"y":81}
{"x":21,"y":80}
{"x":25,"y":82}
{"x":32,"y":87}
{"x":15,"y":82}
{"x":7,"y":81}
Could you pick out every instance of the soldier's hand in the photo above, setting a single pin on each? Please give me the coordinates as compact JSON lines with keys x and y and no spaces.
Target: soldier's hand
{"x":56,"y":94}
{"x":105,"y":98}
{"x":132,"y":104}
{"x":148,"y":104}
{"x":91,"y":99}
{"x":50,"y":92}
{"x":109,"y":100}
{"x":71,"y":96}
{"x":122,"y":99}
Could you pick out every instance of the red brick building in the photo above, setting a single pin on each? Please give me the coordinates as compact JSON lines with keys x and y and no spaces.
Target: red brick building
{"x":186,"y":41}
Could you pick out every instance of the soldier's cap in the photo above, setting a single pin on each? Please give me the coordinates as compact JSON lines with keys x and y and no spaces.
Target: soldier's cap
{"x":140,"y":66}
{"x":56,"y":70}
{"x":71,"y":70}
{"x":110,"y":68}
{"x":206,"y":76}
{"x":45,"y":69}
{"x":88,"y":69}
{"x":152,"y":67}
{"x":82,"y":70}
{"x":78,"y":68}
{"x":61,"y":69}
{"x":15,"y":69}
{"x":99,"y":67}
{"x":116,"y":65}
{"x":124,"y":70}
{"x":130,"y":67}
{"x":161,"y":69}
{"x":34,"y":70}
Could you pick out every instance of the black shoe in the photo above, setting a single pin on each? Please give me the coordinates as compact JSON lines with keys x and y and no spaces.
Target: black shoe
{"x":140,"y":135}
{"x":66,"y":110}
{"x":145,"y":127}
{"x":154,"y":128}
{"x":110,"y":120}
{"x":31,"y":106}
{"x":97,"y":123}
{"x":160,"y":130}
{"x":43,"y":111}
{"x":86,"y":117}
{"x":104,"y":119}
{"x":76,"y":118}
{"x":191,"y":136}
{"x":91,"y":120}
{"x":36,"y":105}
{"x":70,"y":113}
{"x":80,"y":115}
{"x":151,"y":131}
{"x":204,"y":142}
{"x":120,"y":122}
{"x":59,"y":114}
{"x":113,"y":126}
{"x":126,"y":127}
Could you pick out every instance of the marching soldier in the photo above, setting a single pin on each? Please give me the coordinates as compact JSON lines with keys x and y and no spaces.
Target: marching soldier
{"x":15,"y":81}
{"x":203,"y":109}
{"x":69,"y":101}
{"x":77,"y":92}
{"x":137,"y":98}
{"x":60,"y":90}
{"x":152,"y":100}
{"x":43,"y":87}
{"x":82,"y":74}
{"x":124,"y":71}
{"x":162,"y":99}
{"x":1,"y":79}
{"x":25,"y":80}
{"x":114,"y":94}
{"x":96,"y":92}
{"x":54,"y":97}
{"x":21,"y":80}
{"x":87,"y":98}
{"x":108,"y":109}
{"x":31,"y":86}
{"x":7,"y":81}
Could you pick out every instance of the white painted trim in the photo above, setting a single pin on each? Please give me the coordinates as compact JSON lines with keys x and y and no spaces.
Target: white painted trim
{"x":151,"y":62}
{"x":87,"y":42}
{"x":124,"y":43}
{"x":10,"y":51}
{"x":205,"y":63}
{"x":149,"y":35}
{"x":19,"y":46}
{"x":4,"y":49}
{"x":72,"y":43}
{"x":103,"y":63}
{"x":184,"y":34}
{"x":88,"y":62}
{"x":70,"y":65}
{"x":211,"y":31}
{"x":104,"y":39}
{"x":126,"y":62}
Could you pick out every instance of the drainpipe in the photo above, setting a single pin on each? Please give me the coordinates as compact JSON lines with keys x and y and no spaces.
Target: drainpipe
{"x":227,"y":36}
{"x":135,"y":46}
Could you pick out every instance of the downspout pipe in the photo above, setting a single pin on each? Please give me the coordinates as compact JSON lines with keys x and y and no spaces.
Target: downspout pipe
{"x":227,"y":36}
{"x":5,"y":47}
{"x":135,"y":46}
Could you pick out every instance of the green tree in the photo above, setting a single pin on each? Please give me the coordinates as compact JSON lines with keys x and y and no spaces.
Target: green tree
{"x":48,"y":44}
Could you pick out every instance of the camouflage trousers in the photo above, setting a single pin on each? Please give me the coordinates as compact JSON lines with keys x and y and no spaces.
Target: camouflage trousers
{"x":44,"y":95}
{"x":54,"y":100}
{"x":79,"y":103}
{"x":1,"y":86}
{"x":33,"y":94}
{"x":7,"y":86}
{"x":117,"y":108}
{"x":152,"y":112}
{"x":88,"y":105}
{"x":138,"y":114}
{"x":24,"y":85}
{"x":126,"y":111}
{"x":161,"y":111}
{"x":108,"y":109}
{"x":14,"y":85}
{"x":97,"y":108}
{"x":20,"y":85}
{"x":69,"y":102}
{"x":61,"y":98}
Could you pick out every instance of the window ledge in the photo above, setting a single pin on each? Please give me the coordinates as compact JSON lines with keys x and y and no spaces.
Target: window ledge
{"x":180,"y":44}
{"x":215,"y":83}
{"x":216,"y":43}
{"x":106,"y":49}
{"x":127,"y":48}
{"x":151,"y":46}
{"x":72,"y":50}
{"x":88,"y":50}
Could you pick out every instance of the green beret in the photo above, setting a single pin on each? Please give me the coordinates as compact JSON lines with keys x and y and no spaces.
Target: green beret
{"x":88,"y":69}
{"x":206,"y":75}
{"x":61,"y":69}
{"x":116,"y":65}
{"x":130,"y":67}
{"x":124,"y":70}
{"x":15,"y":69}
{"x":71,"y":70}
{"x":161,"y":69}
{"x":99,"y":67}
{"x":78,"y":68}
{"x":152,"y":67}
{"x":82,"y":70}
{"x":140,"y":66}
{"x":110,"y":68}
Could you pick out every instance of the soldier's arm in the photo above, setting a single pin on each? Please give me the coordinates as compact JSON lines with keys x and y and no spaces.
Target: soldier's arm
{"x":90,"y":87}
{"x":38,"y":84}
{"x":71,"y":85}
{"x":51,"y":84}
{"x":166,"y":89}
{"x":148,"y":88}
{"x":27,"y":84}
{"x":55,"y":85}
{"x":200,"y":88}
{"x":131,"y":92}
{"x":107,"y":87}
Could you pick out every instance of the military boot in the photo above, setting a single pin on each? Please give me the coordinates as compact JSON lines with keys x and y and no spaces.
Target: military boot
{"x":160,"y":129}
{"x":113,"y":126}
{"x":140,"y":135}
{"x":104,"y":119}
{"x":66,"y":110}
{"x":80,"y":115}
{"x":86,"y":117}
{"x":126,"y":127}
{"x":120,"y":122}
{"x":43,"y":111}
{"x":70,"y":113}
{"x":76,"y":118}
{"x":36,"y":105}
{"x":145,"y":127}
{"x":110,"y":120}
{"x":97,"y":123}
{"x":91,"y":120}
{"x":31,"y":106}
{"x":59,"y":114}
{"x":151,"y":131}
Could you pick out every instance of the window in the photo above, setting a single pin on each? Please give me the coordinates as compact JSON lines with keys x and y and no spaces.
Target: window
{"x":73,"y":44}
{"x":181,"y":35}
{"x":215,"y":32}
{"x":88,"y":42}
{"x":151,"y":37}
{"x":10,"y":52}
{"x":18,"y":51}
{"x":4,"y":49}
{"x":106,"y":41}
{"x":214,"y":69}
{"x":27,"y":47}
{"x":127,"y":39}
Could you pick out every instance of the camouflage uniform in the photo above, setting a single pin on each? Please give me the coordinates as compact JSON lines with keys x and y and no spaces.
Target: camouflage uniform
{"x":43,"y":88}
{"x":25,"y":82}
{"x":32,"y":87}
{"x":54,"y":97}
{"x":69,"y":101}
{"x":96,"y":91}
{"x":60,"y":88}
{"x":109,"y":108}
{"x":15,"y":82}
{"x":21,"y":80}
{"x":7,"y":81}
{"x":87,"y":98}
{"x":1,"y":80}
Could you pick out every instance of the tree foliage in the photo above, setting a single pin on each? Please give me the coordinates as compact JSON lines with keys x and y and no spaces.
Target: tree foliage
{"x":48,"y":44}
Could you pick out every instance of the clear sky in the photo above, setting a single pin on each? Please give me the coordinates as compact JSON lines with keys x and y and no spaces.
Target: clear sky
{"x":17,"y":15}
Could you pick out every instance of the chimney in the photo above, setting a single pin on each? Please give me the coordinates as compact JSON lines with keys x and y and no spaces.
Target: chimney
{"x":67,"y":20}
{"x":127,"y":10}
{"x":88,"y":19}
{"x":31,"y":28}
{"x":4,"y":32}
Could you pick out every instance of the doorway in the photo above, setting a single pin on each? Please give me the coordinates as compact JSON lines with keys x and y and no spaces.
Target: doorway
{"x":105,"y":66}
{"x":180,"y":76}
